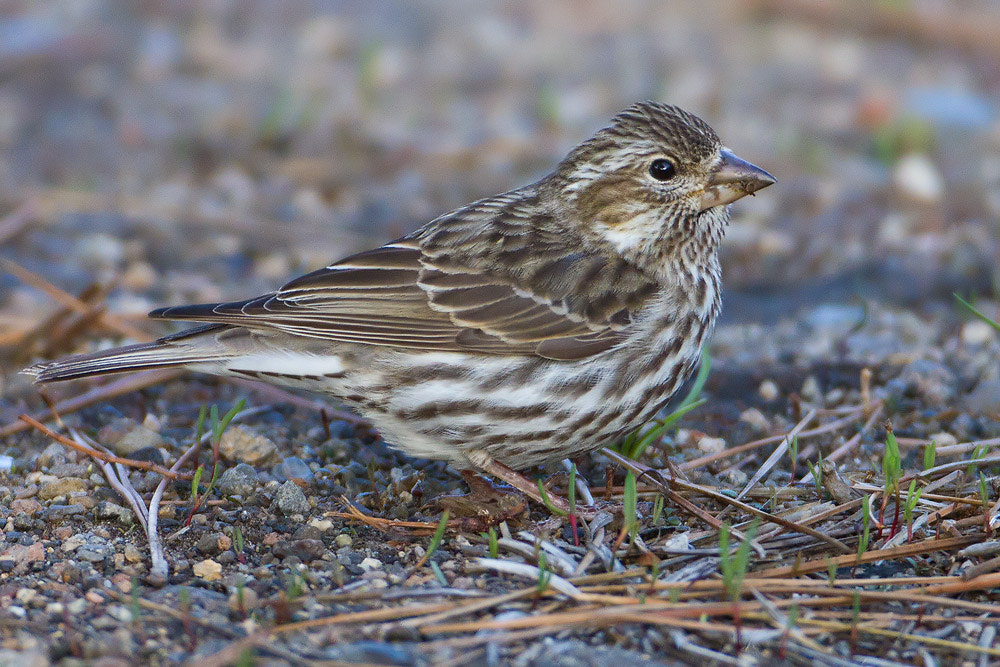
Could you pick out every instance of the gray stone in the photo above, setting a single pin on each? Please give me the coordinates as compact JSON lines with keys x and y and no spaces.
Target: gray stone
{"x":62,"y":511}
{"x":111,"y":511}
{"x":292,"y":468}
{"x":290,"y":500}
{"x":54,"y":453}
{"x":240,"y":480}
{"x":929,"y":380}
{"x":208,"y":544}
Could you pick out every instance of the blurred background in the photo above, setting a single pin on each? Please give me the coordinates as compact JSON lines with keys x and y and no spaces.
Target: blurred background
{"x":154,"y":153}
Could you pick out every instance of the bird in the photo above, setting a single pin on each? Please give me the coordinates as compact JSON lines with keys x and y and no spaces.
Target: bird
{"x":521,"y":329}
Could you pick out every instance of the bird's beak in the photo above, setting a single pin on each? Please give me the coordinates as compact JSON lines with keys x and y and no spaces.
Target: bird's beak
{"x":733,"y":179}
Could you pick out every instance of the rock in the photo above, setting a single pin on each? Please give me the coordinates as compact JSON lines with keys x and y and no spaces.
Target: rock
{"x":370,"y":563}
{"x":943,"y":439}
{"x":28,"y":506}
{"x":132,"y":554}
{"x":292,"y":468}
{"x":305,"y":550}
{"x":917,"y":177}
{"x":6,"y":463}
{"x":240,"y":480}
{"x":61,"y":487}
{"x":239,"y":443}
{"x":290,"y":500}
{"x":710,"y":445}
{"x":322,"y":525}
{"x":977,"y":332}
{"x":54,"y":453}
{"x":810,"y":390}
{"x":17,"y":557}
{"x":207,"y":569}
{"x":62,"y":511}
{"x":768,"y":390}
{"x":93,"y":553}
{"x":209,"y":544}
{"x":243,"y":600}
{"x":151,"y":454}
{"x":138,"y":438}
{"x":985,"y":398}
{"x":33,"y":657}
{"x":929,"y":380}
{"x":756,"y":419}
{"x":109,"y":510}
{"x":343,"y":540}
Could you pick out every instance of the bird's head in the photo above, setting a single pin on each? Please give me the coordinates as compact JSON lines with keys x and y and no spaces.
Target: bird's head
{"x":654,"y":180}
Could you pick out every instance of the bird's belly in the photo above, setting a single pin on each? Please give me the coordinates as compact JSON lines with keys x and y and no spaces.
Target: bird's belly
{"x":521,"y":412}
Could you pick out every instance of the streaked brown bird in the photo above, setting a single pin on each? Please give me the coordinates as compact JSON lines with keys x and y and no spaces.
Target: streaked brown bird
{"x":520,"y":329}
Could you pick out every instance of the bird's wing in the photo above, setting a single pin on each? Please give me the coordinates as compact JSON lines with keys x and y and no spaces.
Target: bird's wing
{"x":410,"y":294}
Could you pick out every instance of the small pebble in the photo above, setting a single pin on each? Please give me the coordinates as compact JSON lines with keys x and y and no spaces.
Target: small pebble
{"x":207,"y":569}
{"x":243,"y":600}
{"x":810,"y":389}
{"x":756,"y":419}
{"x":322,"y":525}
{"x":292,"y":467}
{"x":132,"y":554}
{"x":944,"y":439}
{"x":240,"y":480}
{"x":977,"y":332}
{"x":710,"y":445}
{"x":240,"y":443}
{"x":291,"y":500}
{"x":61,"y":487}
{"x":768,"y":391}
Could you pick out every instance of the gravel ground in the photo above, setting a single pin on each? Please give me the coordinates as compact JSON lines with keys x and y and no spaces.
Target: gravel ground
{"x":170,"y":153}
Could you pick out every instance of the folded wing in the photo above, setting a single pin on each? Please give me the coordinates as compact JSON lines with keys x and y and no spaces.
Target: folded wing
{"x":400,"y":295}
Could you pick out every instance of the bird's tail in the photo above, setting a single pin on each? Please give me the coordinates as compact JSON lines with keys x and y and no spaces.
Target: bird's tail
{"x":175,"y":350}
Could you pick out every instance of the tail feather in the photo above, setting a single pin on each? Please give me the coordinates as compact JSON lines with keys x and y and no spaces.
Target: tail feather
{"x":170,"y":351}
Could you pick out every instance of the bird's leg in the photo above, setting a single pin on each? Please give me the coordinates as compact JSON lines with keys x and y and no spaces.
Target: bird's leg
{"x":485,"y":462}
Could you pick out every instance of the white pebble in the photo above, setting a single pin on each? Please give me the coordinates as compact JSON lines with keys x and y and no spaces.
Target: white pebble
{"x":810,"y":389}
{"x":768,"y":390}
{"x":977,"y":332}
{"x":944,"y":439}
{"x":710,"y":445}
{"x":917,"y":177}
{"x":755,"y":418}
{"x":370,"y":564}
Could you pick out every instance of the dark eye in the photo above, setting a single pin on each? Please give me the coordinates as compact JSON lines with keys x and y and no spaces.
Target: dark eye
{"x":662,"y":170}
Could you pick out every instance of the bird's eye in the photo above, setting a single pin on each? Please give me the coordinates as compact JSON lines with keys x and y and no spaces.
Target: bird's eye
{"x":662,"y":170}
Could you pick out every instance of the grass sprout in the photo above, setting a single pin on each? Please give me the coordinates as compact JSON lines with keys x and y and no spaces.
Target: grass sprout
{"x":630,"y":497}
{"x":636,"y":443}
{"x":548,"y":502}
{"x":975,"y":311}
{"x":866,"y":520}
{"x":734,"y":565}
{"x":438,"y":535}
{"x":930,"y":454}
{"x":912,"y":498}
{"x":891,"y":469}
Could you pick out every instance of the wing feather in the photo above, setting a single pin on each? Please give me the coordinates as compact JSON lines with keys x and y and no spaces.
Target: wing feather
{"x":414,"y":294}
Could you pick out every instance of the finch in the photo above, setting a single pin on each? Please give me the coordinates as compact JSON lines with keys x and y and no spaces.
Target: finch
{"x":528,"y":327}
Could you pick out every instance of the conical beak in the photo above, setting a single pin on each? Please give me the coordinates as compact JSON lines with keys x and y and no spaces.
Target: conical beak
{"x":733,"y":179}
